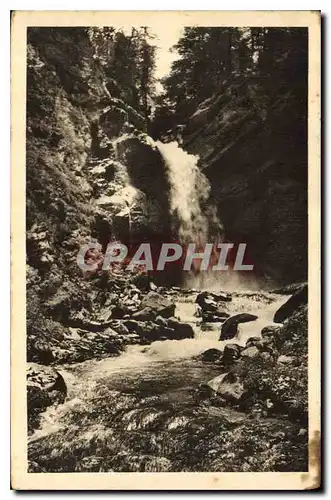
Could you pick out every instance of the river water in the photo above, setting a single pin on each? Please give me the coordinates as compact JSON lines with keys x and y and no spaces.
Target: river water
{"x":133,"y":405}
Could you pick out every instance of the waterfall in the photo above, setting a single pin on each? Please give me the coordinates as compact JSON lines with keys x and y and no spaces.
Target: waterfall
{"x":189,"y":189}
{"x":191,"y":205}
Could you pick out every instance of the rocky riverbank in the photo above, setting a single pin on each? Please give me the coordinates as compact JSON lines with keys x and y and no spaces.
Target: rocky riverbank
{"x":251,"y":415}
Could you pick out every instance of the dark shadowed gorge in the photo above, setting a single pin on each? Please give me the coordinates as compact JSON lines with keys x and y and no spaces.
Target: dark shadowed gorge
{"x":130,"y":370}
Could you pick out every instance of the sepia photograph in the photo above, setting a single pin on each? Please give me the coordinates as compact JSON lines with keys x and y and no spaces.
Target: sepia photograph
{"x":160,"y":248}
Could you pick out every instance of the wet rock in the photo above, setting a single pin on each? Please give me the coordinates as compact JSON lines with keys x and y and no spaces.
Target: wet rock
{"x":214,"y":317}
{"x":269,"y":331}
{"x":211,"y":355}
{"x":119,"y":327}
{"x":222,"y":296}
{"x":231,"y":353}
{"x":146,"y":314}
{"x":45,"y":387}
{"x":230,"y":326}
{"x":208,"y":300}
{"x":293,"y":303}
{"x":289,"y":289}
{"x":253,"y":341}
{"x":229,"y":386}
{"x":250,"y":352}
{"x":134,"y":326}
{"x":183,"y":330}
{"x":161,"y":321}
{"x":161,"y":306}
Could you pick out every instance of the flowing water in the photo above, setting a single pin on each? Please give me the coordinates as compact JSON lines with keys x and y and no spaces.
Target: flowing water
{"x":148,"y":395}
{"x":142,"y":410}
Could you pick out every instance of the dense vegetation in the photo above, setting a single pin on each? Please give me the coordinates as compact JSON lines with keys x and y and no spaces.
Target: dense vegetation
{"x":211,"y":58}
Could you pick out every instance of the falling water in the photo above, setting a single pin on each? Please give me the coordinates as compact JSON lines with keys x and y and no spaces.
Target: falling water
{"x":189,"y":189}
{"x":191,"y":204}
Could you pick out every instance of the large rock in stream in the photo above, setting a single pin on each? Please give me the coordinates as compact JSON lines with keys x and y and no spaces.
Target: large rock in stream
{"x":230,"y":327}
{"x":294,"y":302}
{"x":158,"y":305}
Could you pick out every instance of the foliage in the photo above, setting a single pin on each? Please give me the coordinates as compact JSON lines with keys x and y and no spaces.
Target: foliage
{"x":128,"y":61}
{"x":209,"y":57}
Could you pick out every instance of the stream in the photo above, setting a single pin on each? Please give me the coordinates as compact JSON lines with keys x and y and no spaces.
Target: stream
{"x":140,"y":411}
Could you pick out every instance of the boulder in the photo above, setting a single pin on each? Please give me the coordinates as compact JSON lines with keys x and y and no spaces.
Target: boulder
{"x":183,"y":330}
{"x":211,"y":355}
{"x":294,"y":302}
{"x":145,"y":314}
{"x":206,"y":301}
{"x":45,"y":386}
{"x":160,"y":305}
{"x":214,"y":317}
{"x":141,"y":281}
{"x":269,"y":331}
{"x":228,"y":386}
{"x":252,"y":341}
{"x":222,"y":296}
{"x":119,"y":311}
{"x":161,"y":321}
{"x":231,"y":353}
{"x":230,"y":326}
{"x":134,"y":326}
{"x":250,"y":352}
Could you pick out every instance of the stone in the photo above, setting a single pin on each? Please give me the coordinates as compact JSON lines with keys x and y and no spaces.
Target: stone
{"x":161,"y":321}
{"x":266,"y":356}
{"x":230,"y":326}
{"x":250,"y":352}
{"x":161,"y":306}
{"x":252,"y":341}
{"x":145,"y":314}
{"x":206,"y":302}
{"x":214,"y":317}
{"x":45,"y":387}
{"x":294,"y":302}
{"x":228,"y":386}
{"x":269,"y":331}
{"x":211,"y":355}
{"x":231,"y":353}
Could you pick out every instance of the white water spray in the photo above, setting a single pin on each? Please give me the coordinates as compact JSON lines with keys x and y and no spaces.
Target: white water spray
{"x":189,"y":188}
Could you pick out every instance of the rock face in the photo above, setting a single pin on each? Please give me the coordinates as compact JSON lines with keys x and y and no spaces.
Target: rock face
{"x":45,"y":387}
{"x":230,"y":326}
{"x":242,"y":141}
